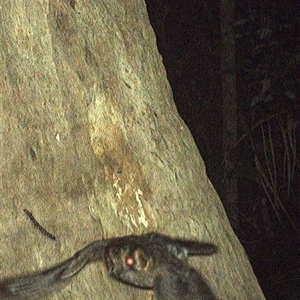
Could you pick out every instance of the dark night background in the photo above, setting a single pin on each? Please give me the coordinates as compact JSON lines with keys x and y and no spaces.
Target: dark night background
{"x":266,"y":156}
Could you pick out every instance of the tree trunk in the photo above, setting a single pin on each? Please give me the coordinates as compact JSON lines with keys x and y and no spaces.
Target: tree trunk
{"x":93,"y":147}
{"x":230,"y":188}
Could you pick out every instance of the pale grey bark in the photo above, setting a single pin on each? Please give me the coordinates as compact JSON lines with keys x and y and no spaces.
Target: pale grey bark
{"x":92,"y":145}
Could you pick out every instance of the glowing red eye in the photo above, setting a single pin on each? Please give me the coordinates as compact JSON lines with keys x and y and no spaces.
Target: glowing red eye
{"x":129,"y":261}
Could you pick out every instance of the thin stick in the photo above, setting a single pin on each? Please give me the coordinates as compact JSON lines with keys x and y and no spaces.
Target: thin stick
{"x":38,"y":226}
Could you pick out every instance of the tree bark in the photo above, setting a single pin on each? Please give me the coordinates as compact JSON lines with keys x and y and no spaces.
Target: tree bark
{"x":93,"y":147}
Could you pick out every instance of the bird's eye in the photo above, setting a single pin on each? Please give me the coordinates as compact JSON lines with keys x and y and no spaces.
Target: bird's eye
{"x":129,"y":261}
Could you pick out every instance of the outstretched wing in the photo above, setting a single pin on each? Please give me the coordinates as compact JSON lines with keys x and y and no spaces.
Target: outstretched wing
{"x":39,"y":284}
{"x":182,"y":248}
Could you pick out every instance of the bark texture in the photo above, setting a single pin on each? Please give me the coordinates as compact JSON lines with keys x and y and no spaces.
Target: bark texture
{"x":92,"y":145}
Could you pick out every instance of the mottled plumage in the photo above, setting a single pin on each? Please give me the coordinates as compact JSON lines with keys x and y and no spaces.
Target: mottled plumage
{"x":148,"y":265}
{"x":39,"y":284}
